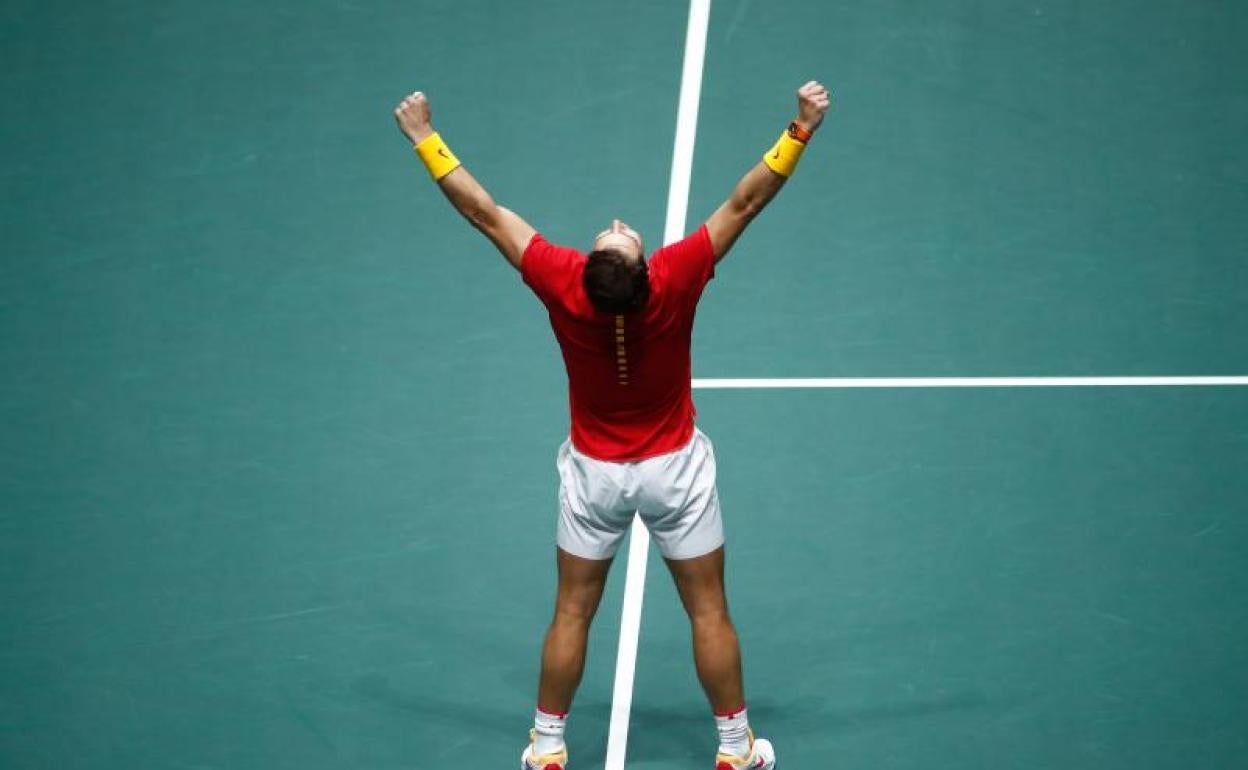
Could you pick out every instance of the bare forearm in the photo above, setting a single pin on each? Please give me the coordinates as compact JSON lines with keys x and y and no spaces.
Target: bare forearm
{"x":503,"y":227}
{"x":463,"y":191}
{"x":468,"y":197}
{"x":756,"y":189}
{"x":761,"y":183}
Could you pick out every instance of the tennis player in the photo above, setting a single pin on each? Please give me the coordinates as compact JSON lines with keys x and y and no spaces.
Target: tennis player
{"x":624,"y":324}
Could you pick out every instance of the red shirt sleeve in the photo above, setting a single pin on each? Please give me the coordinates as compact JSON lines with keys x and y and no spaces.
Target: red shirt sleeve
{"x":552,"y":272}
{"x":687,"y":265}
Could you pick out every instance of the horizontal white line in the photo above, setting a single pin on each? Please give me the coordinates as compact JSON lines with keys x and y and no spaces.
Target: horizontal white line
{"x":961,"y":382}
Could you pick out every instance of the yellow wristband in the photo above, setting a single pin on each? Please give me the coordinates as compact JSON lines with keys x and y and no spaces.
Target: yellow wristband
{"x":783,"y":156}
{"x":436,"y":156}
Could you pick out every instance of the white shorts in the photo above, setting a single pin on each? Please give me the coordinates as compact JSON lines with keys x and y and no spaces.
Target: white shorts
{"x":673,"y":493}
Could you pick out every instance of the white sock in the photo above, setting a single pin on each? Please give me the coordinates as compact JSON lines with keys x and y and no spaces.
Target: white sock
{"x":734,"y":733}
{"x":549,"y":729}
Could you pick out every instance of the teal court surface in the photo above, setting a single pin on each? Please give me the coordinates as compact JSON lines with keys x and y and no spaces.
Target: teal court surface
{"x":277,"y":485}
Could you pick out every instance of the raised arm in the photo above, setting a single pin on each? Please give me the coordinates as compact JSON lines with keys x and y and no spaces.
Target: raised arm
{"x":508,"y":232}
{"x":761,"y":183}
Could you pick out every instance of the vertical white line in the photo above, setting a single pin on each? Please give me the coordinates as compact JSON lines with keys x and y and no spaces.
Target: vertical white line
{"x":626,"y":657}
{"x":673,"y":230}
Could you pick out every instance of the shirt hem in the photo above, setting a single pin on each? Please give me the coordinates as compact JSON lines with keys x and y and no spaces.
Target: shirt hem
{"x":636,"y":458}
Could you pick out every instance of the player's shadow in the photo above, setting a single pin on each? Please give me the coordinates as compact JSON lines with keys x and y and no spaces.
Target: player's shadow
{"x":587,"y":742}
{"x":687,"y":732}
{"x":475,"y":714}
{"x":682,"y":732}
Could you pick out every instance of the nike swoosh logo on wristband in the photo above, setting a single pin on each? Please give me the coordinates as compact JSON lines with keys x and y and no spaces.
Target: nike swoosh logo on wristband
{"x":442,"y":152}
{"x":776,"y":156}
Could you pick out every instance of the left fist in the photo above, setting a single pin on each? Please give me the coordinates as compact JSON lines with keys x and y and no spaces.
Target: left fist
{"x":413,"y":117}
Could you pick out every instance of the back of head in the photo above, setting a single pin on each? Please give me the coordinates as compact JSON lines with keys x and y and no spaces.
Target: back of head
{"x":616,"y":282}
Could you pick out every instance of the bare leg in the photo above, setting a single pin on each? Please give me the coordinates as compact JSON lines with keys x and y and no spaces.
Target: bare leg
{"x":563,"y":656}
{"x":716,"y":653}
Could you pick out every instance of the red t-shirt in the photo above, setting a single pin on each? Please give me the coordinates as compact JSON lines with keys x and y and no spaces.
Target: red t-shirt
{"x":628,"y":375}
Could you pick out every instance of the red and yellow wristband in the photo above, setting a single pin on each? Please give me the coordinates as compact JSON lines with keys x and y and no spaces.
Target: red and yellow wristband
{"x":436,"y":156}
{"x":783,"y":156}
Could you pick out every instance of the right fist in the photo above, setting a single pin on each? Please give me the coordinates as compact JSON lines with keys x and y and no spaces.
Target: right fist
{"x":413,"y":117}
{"x":812,"y":102}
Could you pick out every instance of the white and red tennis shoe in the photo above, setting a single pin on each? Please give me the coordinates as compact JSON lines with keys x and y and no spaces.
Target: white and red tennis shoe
{"x":531,"y":761}
{"x":762,"y":757}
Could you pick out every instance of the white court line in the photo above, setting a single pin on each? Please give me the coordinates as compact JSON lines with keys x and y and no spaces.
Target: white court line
{"x":673,"y":230}
{"x":963,"y":382}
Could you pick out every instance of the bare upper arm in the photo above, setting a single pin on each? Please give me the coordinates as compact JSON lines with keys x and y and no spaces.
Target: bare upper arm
{"x":509,"y":233}
{"x":725,"y":226}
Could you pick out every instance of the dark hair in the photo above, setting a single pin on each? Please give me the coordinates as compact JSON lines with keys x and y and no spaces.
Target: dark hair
{"x":615,"y":282}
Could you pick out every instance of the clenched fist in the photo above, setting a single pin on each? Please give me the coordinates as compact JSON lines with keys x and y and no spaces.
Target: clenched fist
{"x":812,"y":102}
{"x":413,"y":117}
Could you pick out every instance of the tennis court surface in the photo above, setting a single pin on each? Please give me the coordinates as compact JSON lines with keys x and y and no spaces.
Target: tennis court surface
{"x":278,"y":483}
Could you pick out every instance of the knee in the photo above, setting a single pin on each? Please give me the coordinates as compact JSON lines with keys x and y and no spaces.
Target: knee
{"x":573,"y":614}
{"x":715,"y":614}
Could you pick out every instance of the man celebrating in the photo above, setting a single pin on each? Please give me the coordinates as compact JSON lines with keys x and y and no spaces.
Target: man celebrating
{"x":624,"y":325}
